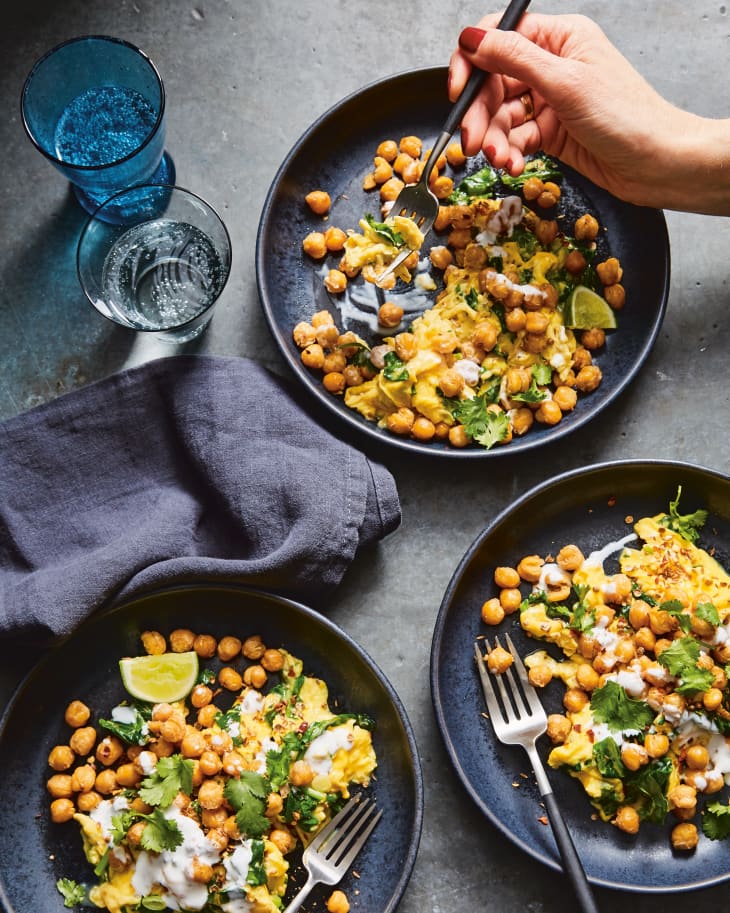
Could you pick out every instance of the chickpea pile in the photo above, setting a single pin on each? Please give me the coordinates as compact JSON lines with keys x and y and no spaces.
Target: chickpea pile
{"x":92,"y":765}
{"x":614,"y":634}
{"x":499,"y":314}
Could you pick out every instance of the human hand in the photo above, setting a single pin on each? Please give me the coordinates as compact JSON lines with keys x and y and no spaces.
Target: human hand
{"x":592,"y":109}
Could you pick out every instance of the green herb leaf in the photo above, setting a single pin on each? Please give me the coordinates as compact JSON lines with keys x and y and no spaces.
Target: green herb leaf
{"x":680,"y":658}
{"x":675,"y":608}
{"x":686,"y":525}
{"x":136,"y":732}
{"x":532,"y":395}
{"x":607,"y":757}
{"x":472,"y":298}
{"x":543,"y":168}
{"x":101,"y":869}
{"x":485,"y":427}
{"x":73,"y":893}
{"x":478,"y":184}
{"x":385,"y":232}
{"x":612,"y":705}
{"x":160,"y":833}
{"x":300,"y":807}
{"x":152,"y":902}
{"x":120,"y":826}
{"x":716,"y":821}
{"x":278,"y":761}
{"x":171,"y":776}
{"x":256,"y":869}
{"x":647,"y":788}
{"x":707,"y":612}
{"x":248,"y":795}
{"x":394,"y":369}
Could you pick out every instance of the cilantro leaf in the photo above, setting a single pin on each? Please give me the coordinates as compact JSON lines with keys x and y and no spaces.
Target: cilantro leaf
{"x":612,"y":705}
{"x":136,"y":732}
{"x":247,"y":796}
{"x":394,"y":369}
{"x":716,"y":821}
{"x":120,"y":825}
{"x":385,"y":232}
{"x":542,"y":373}
{"x":532,"y":395}
{"x":279,"y":760}
{"x":688,"y":526}
{"x":171,"y":776}
{"x":480,"y":424}
{"x":675,"y":608}
{"x":607,"y":757}
{"x":583,"y":617}
{"x":73,"y":892}
{"x":160,"y":833}
{"x":680,"y":658}
{"x":708,"y":612}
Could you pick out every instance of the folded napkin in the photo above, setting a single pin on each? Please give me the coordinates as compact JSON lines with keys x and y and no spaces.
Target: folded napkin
{"x":187,"y":468}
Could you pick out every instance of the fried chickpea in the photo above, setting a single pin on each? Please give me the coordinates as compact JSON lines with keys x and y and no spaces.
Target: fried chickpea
{"x":77,"y":714}
{"x":210,"y":763}
{"x":388,"y":150}
{"x":656,"y":744}
{"x":61,"y":757}
{"x":109,"y":750}
{"x":253,"y":647}
{"x":368,"y":182}
{"x":210,"y":794}
{"x":337,"y":902}
{"x":82,"y":778}
{"x":546,"y":231}
{"x":581,"y":358}
{"x":335,"y":282}
{"x":634,"y":755}
{"x":401,"y":162}
{"x":411,"y":145}
{"x":455,"y":154}
{"x":615,"y":295}
{"x":231,"y":829}
{"x":216,"y":817}
{"x":181,"y":639}
{"x":535,"y":322}
{"x":353,"y":376}
{"x":627,"y":819}
{"x":515,"y":320}
{"x":313,"y":356}
{"x":540,"y":675}
{"x":173,"y":730}
{"x":300,"y":774}
{"x":532,"y":188}
{"x":127,"y":776}
{"x":506,"y":577}
{"x":205,"y":646}
{"x":610,"y":271}
{"x":530,"y":568}
{"x":593,"y":339}
{"x":683,"y":800}
{"x":517,"y":380}
{"x":200,"y":696}
{"x":492,"y":612}
{"x":423,"y":429}
{"x":230,"y":679}
{"x":318,"y":201}
{"x":106,"y":782}
{"x":547,"y":198}
{"x":193,"y":743}
{"x":588,"y":378}
{"x":315,"y":245}
{"x":282,"y":840}
{"x":575,"y":262}
{"x":697,"y":757}
{"x":442,"y":186}
{"x":639,"y":614}
{"x":586,"y":228}
{"x":83,"y":740}
{"x":62,"y":810}
{"x":458,"y":436}
{"x":451,"y":382}
{"x":548,"y":412}
{"x":521,"y":420}
{"x":153,"y":642}
{"x":59,"y":786}
{"x":88,"y":801}
{"x":321,"y":319}
{"x":382,"y":170}
{"x":334,"y":382}
{"x":485,"y":335}
{"x":440,"y":256}
{"x":558,"y":728}
{"x":390,"y":314}
{"x":574,"y":699}
{"x":390,"y":189}
{"x":499,"y":660}
{"x":273,"y":660}
{"x":685,"y":837}
{"x":400,"y":422}
{"x":587,"y":677}
{"x":334,"y":239}
{"x":569,"y":558}
{"x":228,"y":648}
{"x":274,"y":805}
{"x":255,"y":676}
{"x":712,"y":699}
{"x":510,"y":599}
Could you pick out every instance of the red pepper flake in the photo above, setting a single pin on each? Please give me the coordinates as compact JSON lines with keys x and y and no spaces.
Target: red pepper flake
{"x":543,"y":819}
{"x":611,"y":501}
{"x":303,"y":727}
{"x":591,"y":735}
{"x":291,"y":673}
{"x":577,"y":727}
{"x":628,"y":519}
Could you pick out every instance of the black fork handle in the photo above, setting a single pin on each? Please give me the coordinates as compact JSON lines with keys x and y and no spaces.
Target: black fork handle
{"x":508,"y":23}
{"x":571,"y":863}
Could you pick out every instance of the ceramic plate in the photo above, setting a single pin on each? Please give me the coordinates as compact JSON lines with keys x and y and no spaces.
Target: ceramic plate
{"x":34,"y":852}
{"x":588,"y":507}
{"x":335,"y":153}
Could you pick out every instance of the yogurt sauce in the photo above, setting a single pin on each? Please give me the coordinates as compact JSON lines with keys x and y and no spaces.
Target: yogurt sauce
{"x":322,"y":750}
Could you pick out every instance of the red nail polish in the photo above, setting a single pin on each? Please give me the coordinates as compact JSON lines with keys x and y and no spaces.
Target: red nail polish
{"x":464,"y":138}
{"x":490,"y":152}
{"x":508,"y":166}
{"x":470,"y":39}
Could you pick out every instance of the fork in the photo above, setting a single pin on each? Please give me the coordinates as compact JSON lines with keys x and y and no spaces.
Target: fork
{"x":520,"y":721}
{"x":333,"y":849}
{"x":418,"y":201}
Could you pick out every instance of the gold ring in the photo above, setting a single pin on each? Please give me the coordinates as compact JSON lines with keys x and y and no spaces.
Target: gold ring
{"x":527,"y":104}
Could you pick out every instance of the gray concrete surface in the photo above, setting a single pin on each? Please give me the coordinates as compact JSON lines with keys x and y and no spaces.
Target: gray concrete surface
{"x":245,"y":78}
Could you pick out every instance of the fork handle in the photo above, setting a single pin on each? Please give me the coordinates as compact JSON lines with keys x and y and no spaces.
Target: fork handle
{"x":508,"y":23}
{"x":302,"y":895}
{"x":572,"y":865}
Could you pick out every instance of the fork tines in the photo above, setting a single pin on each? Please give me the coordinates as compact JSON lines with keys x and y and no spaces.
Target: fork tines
{"x":341,"y":840}
{"x":516,"y":701}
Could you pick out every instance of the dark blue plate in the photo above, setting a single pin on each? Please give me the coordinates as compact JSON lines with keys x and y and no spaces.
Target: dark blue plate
{"x":588,"y":507}
{"x":34,"y":852}
{"x":334,"y":155}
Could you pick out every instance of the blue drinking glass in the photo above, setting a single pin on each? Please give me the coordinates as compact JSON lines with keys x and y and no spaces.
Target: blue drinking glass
{"x":95,"y":107}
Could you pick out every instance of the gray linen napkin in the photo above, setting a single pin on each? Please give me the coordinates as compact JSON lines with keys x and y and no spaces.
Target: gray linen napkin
{"x":189,"y":467}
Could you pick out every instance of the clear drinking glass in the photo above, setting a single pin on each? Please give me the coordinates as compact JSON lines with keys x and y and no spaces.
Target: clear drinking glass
{"x":160,"y":266}
{"x":95,"y":107}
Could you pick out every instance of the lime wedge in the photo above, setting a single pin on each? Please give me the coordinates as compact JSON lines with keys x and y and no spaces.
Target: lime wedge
{"x":585,"y":310}
{"x":167,"y":677}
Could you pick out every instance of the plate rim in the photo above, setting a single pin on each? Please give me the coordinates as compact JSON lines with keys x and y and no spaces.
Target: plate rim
{"x":369,"y":430}
{"x":534,"y":492}
{"x":117,"y":607}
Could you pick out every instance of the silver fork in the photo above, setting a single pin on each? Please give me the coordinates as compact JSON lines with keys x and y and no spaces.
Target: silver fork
{"x":418,"y":200}
{"x":520,"y":719}
{"x":334,"y":848}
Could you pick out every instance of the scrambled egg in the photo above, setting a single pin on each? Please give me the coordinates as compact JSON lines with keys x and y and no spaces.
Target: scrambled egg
{"x":374,"y":249}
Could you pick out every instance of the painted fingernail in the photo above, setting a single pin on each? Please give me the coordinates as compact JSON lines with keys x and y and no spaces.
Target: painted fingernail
{"x":470,"y":39}
{"x":464,"y":138}
{"x":508,"y":166}
{"x":490,"y":152}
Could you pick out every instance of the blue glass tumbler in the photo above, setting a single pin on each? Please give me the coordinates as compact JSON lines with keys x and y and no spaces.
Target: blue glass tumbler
{"x":95,"y":107}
